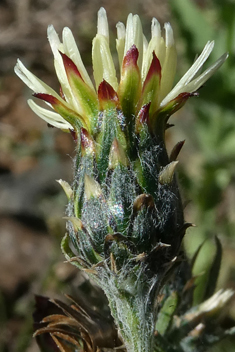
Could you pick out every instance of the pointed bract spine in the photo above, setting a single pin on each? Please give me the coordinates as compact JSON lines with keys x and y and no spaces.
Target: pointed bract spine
{"x":87,"y":143}
{"x":77,"y":223}
{"x":117,"y":155}
{"x":92,"y":187}
{"x":176,"y":150}
{"x":142,"y":119}
{"x":167,"y":174}
{"x":67,"y":188}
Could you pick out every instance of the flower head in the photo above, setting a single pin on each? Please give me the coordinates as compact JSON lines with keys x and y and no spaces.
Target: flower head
{"x":125,"y":214}
{"x":147,"y":72}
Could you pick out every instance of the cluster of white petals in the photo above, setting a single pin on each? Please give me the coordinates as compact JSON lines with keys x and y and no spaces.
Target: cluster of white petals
{"x":103,"y":65}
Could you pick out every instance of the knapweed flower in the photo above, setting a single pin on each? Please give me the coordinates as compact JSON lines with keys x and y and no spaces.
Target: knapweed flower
{"x":147,"y":72}
{"x":125,"y":215}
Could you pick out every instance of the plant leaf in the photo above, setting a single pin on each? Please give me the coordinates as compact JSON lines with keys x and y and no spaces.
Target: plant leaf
{"x":214,"y":270}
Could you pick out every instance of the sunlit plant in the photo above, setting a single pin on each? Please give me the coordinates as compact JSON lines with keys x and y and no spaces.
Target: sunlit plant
{"x":125,"y":217}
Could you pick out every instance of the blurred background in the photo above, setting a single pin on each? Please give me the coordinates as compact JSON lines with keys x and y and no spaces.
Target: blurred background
{"x":33,"y":156}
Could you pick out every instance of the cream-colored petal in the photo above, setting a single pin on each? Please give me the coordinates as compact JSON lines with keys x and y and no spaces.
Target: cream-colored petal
{"x":102,"y":24}
{"x":155,"y":28}
{"x":157,"y":45}
{"x":71,"y":50}
{"x":50,"y":117}
{"x":145,"y":44}
{"x":169,"y":35}
{"x":134,"y":35}
{"x":103,"y":64}
{"x":197,"y":64}
{"x":32,"y":81}
{"x":145,"y":49}
{"x":129,"y":41}
{"x":170,"y":62}
{"x":121,"y":30}
{"x":57,"y":46}
{"x":120,"y":42}
{"x":139,"y":38}
{"x":181,"y":86}
{"x":200,"y":80}
{"x":160,"y":51}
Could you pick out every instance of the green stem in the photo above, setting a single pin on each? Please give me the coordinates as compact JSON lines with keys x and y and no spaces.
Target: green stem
{"x":132,"y":310}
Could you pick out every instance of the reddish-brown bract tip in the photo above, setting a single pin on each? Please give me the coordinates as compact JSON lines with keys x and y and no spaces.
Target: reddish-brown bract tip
{"x":70,"y":66}
{"x":144,"y":113}
{"x":154,"y":69}
{"x":176,"y":103}
{"x":74,"y":135}
{"x":181,"y":99}
{"x":62,"y":93}
{"x":86,"y":140}
{"x":131,"y":57}
{"x":47,"y":97}
{"x":106,"y":92}
{"x":143,"y":117}
{"x":186,"y":95}
{"x":62,"y":108}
